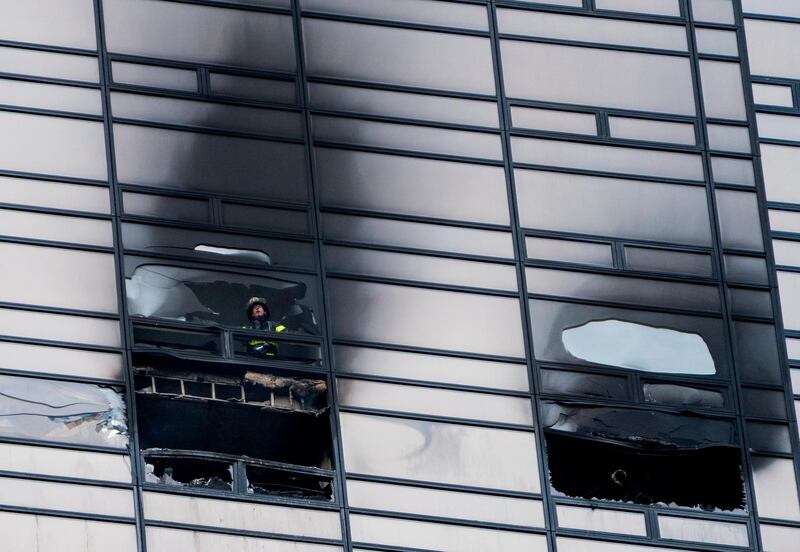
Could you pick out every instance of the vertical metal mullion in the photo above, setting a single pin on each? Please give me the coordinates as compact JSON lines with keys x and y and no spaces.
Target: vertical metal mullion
{"x":719,"y":259}
{"x":777,"y":315}
{"x":115,"y":197}
{"x":519,"y":257}
{"x":327,"y":346}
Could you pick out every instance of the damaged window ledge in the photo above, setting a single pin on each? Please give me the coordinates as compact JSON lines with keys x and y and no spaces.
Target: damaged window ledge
{"x":233,"y":476}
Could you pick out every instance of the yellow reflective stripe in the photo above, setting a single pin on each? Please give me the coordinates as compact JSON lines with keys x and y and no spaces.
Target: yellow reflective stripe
{"x":280,"y":328}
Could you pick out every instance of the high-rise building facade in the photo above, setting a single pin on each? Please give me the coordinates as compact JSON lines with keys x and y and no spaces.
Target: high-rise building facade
{"x":398,"y":275}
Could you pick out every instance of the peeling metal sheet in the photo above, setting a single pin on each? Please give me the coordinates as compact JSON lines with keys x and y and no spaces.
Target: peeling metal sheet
{"x":644,"y":429}
{"x":68,"y":412}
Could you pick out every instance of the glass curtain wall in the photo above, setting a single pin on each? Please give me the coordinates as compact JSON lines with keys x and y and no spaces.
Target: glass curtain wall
{"x":463,"y":275}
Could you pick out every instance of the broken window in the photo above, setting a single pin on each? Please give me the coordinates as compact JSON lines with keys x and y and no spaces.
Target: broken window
{"x":208,"y":297}
{"x":639,"y":347}
{"x":67,"y":412}
{"x":643,"y":456}
{"x":267,"y":429}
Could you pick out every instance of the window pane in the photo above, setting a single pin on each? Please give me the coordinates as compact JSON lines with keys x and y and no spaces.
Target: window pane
{"x":772,"y":94}
{"x":759,"y":360}
{"x":166,"y":207}
{"x":418,"y":58}
{"x":713,"y":41}
{"x":415,"y":235}
{"x":749,"y":270}
{"x":775,"y":487}
{"x":424,"y":107}
{"x":448,"y":504}
{"x":652,"y":131}
{"x":420,"y":268}
{"x":440,"y":452}
{"x":739,"y":220}
{"x":713,"y":11}
{"x":228,"y":514}
{"x":564,"y":382}
{"x":40,"y":226}
{"x":163,"y":539}
{"x":53,"y":145}
{"x":179,"y":31}
{"x":603,"y":78}
{"x":580,"y":252}
{"x":733,"y":171}
{"x":49,"y":533}
{"x":413,"y":186}
{"x":153,"y":76}
{"x":765,"y":437}
{"x":209,"y":163}
{"x":425,"y":318}
{"x":65,"y":463}
{"x":642,"y":210}
{"x":782,"y":127}
{"x":729,"y":138}
{"x":777,"y":538}
{"x":67,"y":23}
{"x":597,"y":519}
{"x":233,"y":248}
{"x":567,"y":544}
{"x":66,"y":278}
{"x":781,"y":165}
{"x":433,"y":368}
{"x":620,"y":289}
{"x":722,"y":90}
{"x":538,"y":151}
{"x":206,"y":114}
{"x":61,"y":361}
{"x":59,"y":327}
{"x":410,"y":11}
{"x":591,"y":29}
{"x":772,"y":48}
{"x":49,"y":410}
{"x":408,"y":137}
{"x":237,"y":215}
{"x":50,"y":96}
{"x":37,"y":63}
{"x":420,"y":534}
{"x":252,"y":88}
{"x":789,"y":285}
{"x":434,"y":402}
{"x":55,"y":195}
{"x":701,"y":530}
{"x":550,"y":120}
{"x":655,"y":7}
{"x":663,"y":260}
{"x":761,"y":403}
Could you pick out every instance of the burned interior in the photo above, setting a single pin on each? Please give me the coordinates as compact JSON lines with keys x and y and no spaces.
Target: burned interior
{"x":637,"y":407}
{"x":230,"y":392}
{"x":233,"y":427}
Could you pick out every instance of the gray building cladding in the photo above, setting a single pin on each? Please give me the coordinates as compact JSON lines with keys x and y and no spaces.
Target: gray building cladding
{"x":399,"y":275}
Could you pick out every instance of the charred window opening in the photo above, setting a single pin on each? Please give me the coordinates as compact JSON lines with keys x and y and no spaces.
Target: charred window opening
{"x":199,"y":420}
{"x":61,"y":411}
{"x":643,"y":456}
{"x":208,"y":297}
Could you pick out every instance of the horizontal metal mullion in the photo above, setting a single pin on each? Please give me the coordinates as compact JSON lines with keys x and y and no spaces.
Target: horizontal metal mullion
{"x":594,"y":45}
{"x":394,"y":23}
{"x":436,"y":419}
{"x":50,"y":80}
{"x":429,"y":350}
{"x":51,"y":113}
{"x":442,"y":486}
{"x":342,"y":375}
{"x":238,"y":532}
{"x":421,"y":284}
{"x":208,"y":130}
{"x":407,"y":153}
{"x":609,"y":174}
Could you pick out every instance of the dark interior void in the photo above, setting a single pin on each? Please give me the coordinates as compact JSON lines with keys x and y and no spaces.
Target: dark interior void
{"x":189,"y":472}
{"x":269,"y":481}
{"x":228,"y":428}
{"x":644,"y":456}
{"x":709,"y":478}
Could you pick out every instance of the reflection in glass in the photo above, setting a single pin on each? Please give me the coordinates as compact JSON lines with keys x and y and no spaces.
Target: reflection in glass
{"x":639,"y":347}
{"x":682,"y":395}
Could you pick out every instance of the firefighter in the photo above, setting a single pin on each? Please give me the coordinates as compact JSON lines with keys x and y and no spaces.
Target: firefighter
{"x":258,"y":316}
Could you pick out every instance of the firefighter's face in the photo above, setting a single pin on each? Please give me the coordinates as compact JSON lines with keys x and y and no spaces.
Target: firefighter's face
{"x":258,"y":311}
